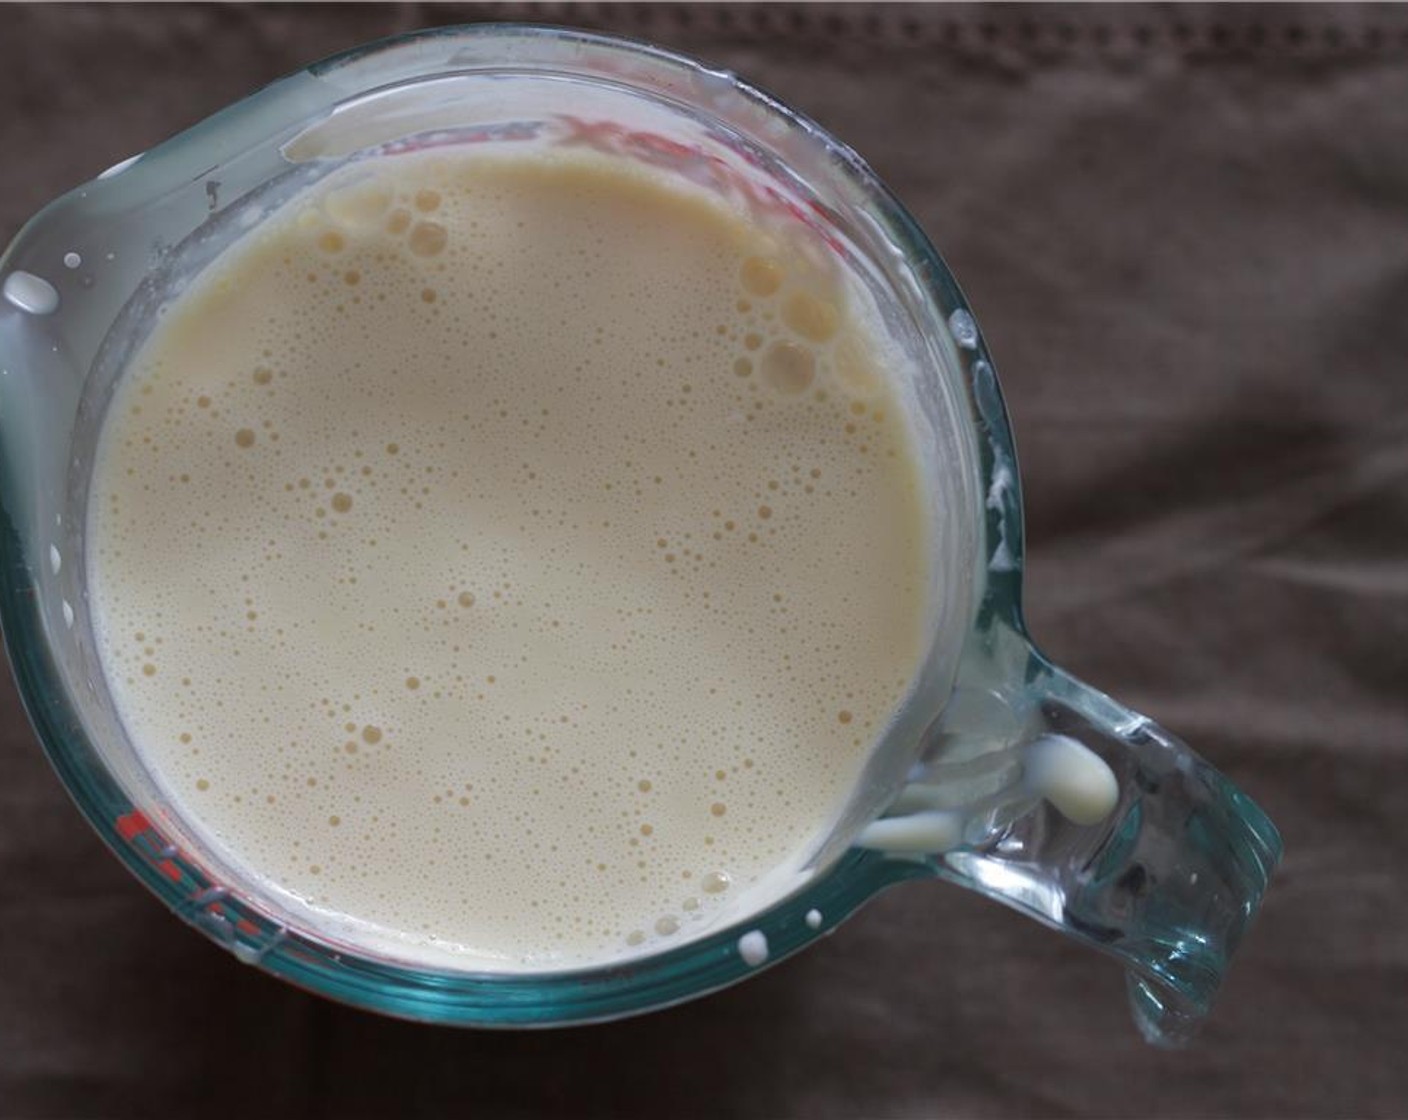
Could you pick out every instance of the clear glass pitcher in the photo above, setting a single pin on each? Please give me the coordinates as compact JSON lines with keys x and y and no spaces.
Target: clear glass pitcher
{"x":1001,"y":773}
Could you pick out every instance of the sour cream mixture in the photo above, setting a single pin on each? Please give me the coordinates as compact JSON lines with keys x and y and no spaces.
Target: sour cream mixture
{"x":509,"y":560}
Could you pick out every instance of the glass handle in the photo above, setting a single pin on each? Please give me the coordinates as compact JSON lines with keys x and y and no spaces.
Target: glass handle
{"x":1051,"y":798}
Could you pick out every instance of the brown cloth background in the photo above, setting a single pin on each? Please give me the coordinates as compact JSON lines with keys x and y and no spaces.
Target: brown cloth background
{"x":1185,"y":232}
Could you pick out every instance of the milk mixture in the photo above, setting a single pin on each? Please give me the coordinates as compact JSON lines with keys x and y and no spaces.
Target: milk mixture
{"x":509,"y":560}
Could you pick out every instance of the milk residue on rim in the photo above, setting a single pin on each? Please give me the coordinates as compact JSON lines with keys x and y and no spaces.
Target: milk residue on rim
{"x":514,"y":559}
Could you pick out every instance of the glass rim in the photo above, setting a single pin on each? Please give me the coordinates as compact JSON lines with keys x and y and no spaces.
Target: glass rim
{"x":558,"y":997}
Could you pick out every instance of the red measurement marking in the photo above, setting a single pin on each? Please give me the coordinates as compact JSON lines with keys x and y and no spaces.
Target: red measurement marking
{"x":132,"y":825}
{"x":653,"y":148}
{"x":696,"y":163}
{"x":601,"y":135}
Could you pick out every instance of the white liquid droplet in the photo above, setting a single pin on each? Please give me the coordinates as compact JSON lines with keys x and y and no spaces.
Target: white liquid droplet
{"x":55,"y":560}
{"x":964,"y":329}
{"x":1076,"y":780}
{"x":68,"y":614}
{"x":936,"y":831}
{"x":813,"y":919}
{"x":753,"y":948}
{"x":72,"y":260}
{"x":121,"y":166}
{"x":31,"y":293}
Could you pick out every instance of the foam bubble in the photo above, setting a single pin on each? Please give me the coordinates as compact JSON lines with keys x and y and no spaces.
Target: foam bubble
{"x":427,"y":239}
{"x":789,"y":368}
{"x":812,"y":318}
{"x":761,"y":276}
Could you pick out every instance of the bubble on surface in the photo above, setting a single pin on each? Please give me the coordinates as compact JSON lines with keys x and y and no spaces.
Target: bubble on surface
{"x":812,"y":318}
{"x":789,"y":368}
{"x":427,"y":239}
{"x":761,"y":276}
{"x":855,"y":367}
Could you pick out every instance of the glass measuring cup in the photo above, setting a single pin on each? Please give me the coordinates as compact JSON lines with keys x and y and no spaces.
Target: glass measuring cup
{"x":1001,"y":772}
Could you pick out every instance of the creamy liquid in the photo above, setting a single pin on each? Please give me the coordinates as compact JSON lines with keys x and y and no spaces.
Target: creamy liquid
{"x":509,"y":560}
